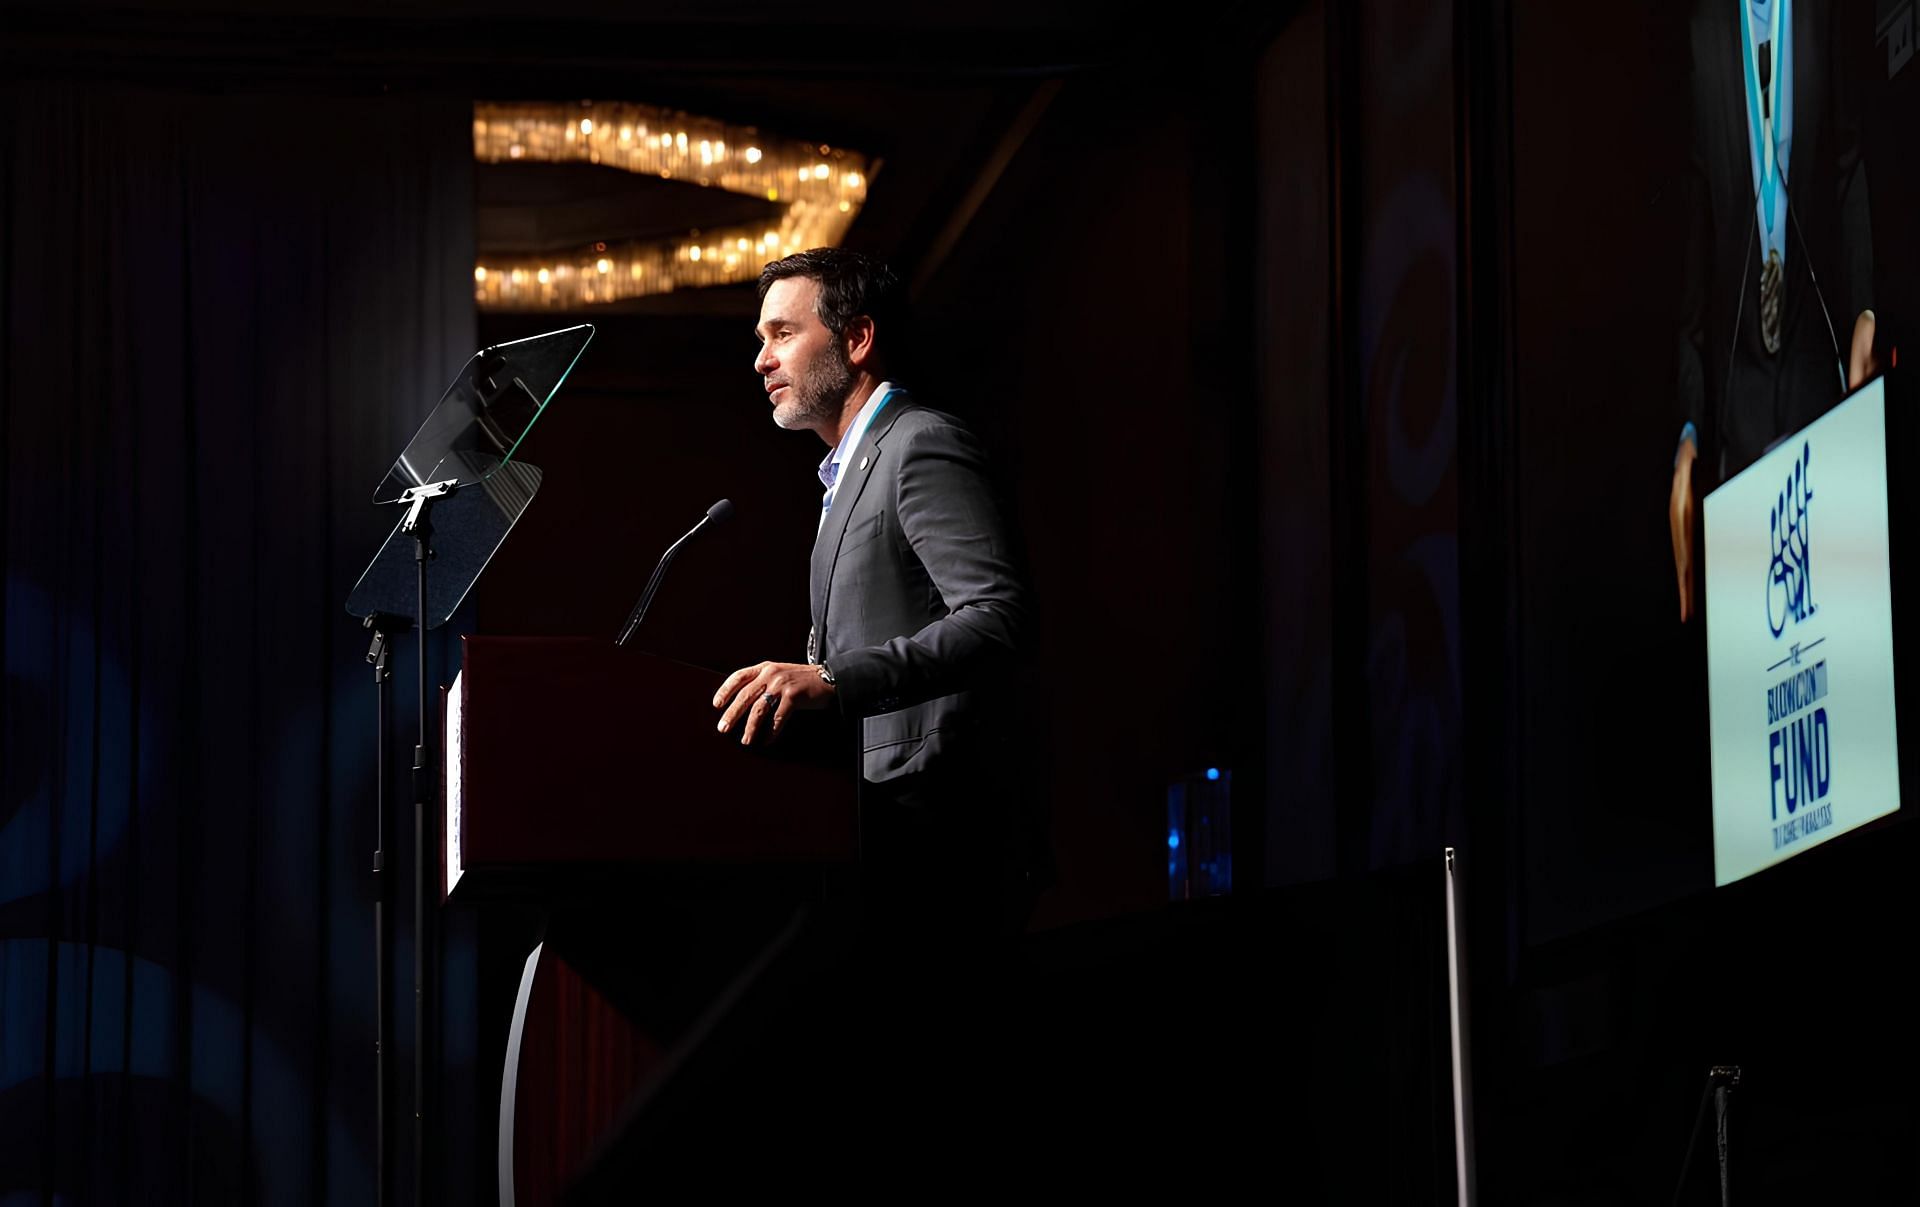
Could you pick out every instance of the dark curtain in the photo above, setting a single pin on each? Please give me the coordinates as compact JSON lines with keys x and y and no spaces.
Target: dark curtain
{"x":220,"y":316}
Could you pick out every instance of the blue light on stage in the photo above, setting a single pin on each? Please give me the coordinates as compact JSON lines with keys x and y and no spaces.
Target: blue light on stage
{"x":1200,"y":835}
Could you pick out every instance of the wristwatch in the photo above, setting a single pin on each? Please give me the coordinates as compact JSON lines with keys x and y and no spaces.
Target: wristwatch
{"x":826,"y":676}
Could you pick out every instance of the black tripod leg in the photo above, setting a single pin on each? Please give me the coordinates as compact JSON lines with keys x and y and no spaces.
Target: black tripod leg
{"x":1720,"y":1097}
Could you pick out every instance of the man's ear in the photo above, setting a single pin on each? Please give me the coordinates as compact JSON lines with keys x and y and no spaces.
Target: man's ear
{"x":859,"y":337}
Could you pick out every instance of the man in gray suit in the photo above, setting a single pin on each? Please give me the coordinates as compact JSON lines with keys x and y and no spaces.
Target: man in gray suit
{"x":919,"y":611}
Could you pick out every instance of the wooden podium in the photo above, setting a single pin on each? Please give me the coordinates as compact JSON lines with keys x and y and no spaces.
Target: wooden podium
{"x":579,"y":774}
{"x":568,"y":757}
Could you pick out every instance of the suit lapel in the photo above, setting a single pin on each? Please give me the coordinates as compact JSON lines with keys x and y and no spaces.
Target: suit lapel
{"x":1809,"y":84}
{"x":1737,"y":144}
{"x":854,"y":475}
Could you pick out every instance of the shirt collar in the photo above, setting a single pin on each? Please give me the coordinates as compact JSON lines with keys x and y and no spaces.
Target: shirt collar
{"x":830,"y":466}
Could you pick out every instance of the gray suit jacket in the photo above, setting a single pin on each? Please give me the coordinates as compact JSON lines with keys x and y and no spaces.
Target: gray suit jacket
{"x":917,"y":602}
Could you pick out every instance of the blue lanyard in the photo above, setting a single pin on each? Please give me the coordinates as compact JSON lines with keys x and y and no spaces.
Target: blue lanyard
{"x":853,"y":446}
{"x":1769,"y":127}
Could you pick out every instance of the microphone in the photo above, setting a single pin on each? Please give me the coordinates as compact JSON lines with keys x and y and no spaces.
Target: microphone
{"x":1839,"y":361}
{"x":719,"y":513}
{"x":1733,"y":345}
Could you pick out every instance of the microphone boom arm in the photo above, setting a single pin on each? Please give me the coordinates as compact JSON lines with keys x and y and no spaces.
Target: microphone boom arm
{"x":719,"y":512}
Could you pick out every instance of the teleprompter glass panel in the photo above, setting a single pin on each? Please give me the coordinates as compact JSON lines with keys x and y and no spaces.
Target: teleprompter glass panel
{"x":486,"y":412}
{"x":468,"y":528}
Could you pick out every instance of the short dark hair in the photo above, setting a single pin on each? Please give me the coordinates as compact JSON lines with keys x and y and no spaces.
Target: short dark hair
{"x":851,"y":284}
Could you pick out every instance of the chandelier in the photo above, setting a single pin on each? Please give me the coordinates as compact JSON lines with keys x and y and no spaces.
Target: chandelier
{"x":819,"y":187}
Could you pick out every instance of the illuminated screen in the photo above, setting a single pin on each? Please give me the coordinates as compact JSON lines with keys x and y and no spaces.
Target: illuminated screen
{"x":1800,"y":642}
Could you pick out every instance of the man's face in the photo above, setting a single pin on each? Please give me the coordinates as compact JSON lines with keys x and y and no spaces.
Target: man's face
{"x":803,"y":365}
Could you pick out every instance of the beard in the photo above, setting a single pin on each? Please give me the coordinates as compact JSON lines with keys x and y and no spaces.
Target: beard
{"x":818,"y":397}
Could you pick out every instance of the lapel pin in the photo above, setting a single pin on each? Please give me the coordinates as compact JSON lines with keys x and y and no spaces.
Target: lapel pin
{"x":863,"y":463}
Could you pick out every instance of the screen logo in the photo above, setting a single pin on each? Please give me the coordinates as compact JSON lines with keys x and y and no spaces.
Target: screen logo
{"x":1790,"y":576}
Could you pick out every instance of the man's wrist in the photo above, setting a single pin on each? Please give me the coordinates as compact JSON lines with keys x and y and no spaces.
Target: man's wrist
{"x":826,"y":675}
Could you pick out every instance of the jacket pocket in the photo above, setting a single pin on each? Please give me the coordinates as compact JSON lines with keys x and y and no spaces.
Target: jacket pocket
{"x":861,"y":531}
{"x":915,"y":739}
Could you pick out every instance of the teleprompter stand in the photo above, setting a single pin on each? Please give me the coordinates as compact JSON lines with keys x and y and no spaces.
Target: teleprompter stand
{"x":384,"y":627}
{"x":457,"y":481}
{"x":1721,"y":1080}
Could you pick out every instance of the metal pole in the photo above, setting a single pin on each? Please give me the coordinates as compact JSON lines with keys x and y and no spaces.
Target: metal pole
{"x":382,"y":922}
{"x":422,"y":943}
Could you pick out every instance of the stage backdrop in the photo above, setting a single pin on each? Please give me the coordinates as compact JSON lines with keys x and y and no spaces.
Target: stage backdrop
{"x":219,"y":317}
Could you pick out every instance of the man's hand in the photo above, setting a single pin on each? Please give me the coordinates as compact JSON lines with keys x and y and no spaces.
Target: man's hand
{"x":1680,"y":523}
{"x":762,"y":695}
{"x":1861,"y":364}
